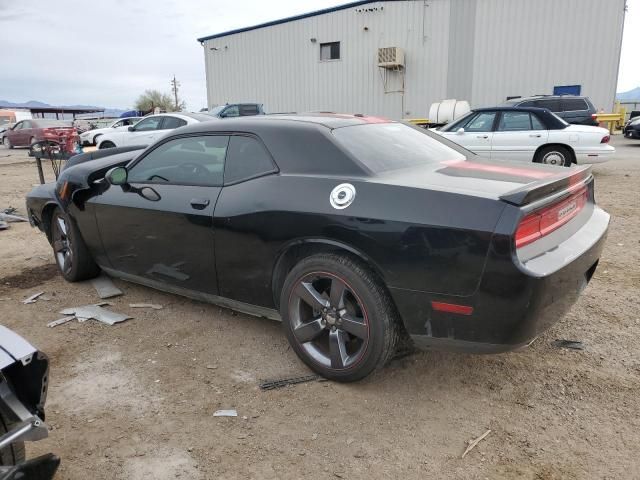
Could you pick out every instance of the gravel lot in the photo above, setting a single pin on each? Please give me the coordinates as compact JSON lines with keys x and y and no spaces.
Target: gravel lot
{"x":135,"y":400}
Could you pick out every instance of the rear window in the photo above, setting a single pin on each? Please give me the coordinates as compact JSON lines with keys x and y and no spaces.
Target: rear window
{"x":391,"y":146}
{"x":574,"y":104}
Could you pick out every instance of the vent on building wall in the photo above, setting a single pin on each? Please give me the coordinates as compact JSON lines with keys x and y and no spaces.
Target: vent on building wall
{"x":390,"y":57}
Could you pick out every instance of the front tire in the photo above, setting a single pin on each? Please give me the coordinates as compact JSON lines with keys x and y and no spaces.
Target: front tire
{"x":14,"y":453}
{"x":95,"y":139}
{"x":554,"y":155}
{"x":338,"y":318}
{"x":71,"y":253}
{"x":106,"y":144}
{"x":7,"y":143}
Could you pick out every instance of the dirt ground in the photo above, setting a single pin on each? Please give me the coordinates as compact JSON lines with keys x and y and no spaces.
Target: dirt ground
{"x":136,"y":400}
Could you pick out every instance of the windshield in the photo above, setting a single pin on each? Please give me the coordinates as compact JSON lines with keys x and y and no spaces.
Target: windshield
{"x":216,"y":110}
{"x":53,"y":123}
{"x":391,"y":146}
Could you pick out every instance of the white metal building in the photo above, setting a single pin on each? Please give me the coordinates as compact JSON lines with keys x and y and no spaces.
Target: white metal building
{"x":482,"y":51}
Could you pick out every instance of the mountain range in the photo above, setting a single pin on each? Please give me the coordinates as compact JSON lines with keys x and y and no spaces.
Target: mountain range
{"x":629,"y":96}
{"x":108,"y":112}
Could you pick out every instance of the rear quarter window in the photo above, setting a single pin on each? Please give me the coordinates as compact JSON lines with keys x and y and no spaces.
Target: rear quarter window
{"x":574,"y":104}
{"x":392,"y":146}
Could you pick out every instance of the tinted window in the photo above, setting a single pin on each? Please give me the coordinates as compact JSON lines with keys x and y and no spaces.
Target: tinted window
{"x":514,"y":121}
{"x":246,"y":158}
{"x":189,"y":160}
{"x":483,"y":122}
{"x":151,"y":123}
{"x":26,"y":124}
{"x":552,"y":104}
{"x":18,"y":126}
{"x":173,"y":122}
{"x":391,"y":146}
{"x":246,"y":110}
{"x":232,"y":111}
{"x":527,"y":104}
{"x":574,"y":104}
{"x":330,"y":51}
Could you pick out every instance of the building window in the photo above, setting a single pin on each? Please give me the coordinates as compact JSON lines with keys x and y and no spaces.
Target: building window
{"x":330,"y":51}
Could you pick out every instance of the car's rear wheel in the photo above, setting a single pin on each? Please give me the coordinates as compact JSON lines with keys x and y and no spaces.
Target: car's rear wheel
{"x":71,"y":253}
{"x":338,"y":318}
{"x":95,"y":139}
{"x":554,"y":155}
{"x":32,"y":140}
{"x":14,"y":453}
{"x":107,"y":144}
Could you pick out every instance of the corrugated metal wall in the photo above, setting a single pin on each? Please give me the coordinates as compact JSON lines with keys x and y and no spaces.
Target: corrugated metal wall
{"x":487,"y":49}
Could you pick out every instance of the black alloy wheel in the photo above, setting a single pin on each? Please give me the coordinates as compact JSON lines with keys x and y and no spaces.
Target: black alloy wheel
{"x":329,"y":320}
{"x":61,"y":242}
{"x":338,"y":317}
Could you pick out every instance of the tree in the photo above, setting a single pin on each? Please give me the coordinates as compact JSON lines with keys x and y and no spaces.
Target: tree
{"x":151,"y":99}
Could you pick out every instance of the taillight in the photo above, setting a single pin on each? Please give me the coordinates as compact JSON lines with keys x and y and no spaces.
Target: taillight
{"x":605,"y":139}
{"x":542,"y":222}
{"x":594,"y":116}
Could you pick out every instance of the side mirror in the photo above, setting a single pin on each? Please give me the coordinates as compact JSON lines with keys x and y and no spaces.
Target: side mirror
{"x":131,"y":129}
{"x":460,"y":131}
{"x":116,"y":176}
{"x":150,"y":194}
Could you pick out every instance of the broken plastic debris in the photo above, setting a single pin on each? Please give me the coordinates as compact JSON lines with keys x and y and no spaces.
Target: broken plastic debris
{"x":95,"y":312}
{"x":155,"y":306}
{"x":61,"y":321}
{"x":572,"y":344}
{"x":105,"y":287}
{"x":32,"y":298}
{"x":225,"y":413}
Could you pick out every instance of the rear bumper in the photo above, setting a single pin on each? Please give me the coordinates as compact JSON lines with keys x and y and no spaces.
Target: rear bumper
{"x":596,"y":155}
{"x":515,"y":302}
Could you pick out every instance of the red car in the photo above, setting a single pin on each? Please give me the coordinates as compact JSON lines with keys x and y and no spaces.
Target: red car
{"x":27,"y":132}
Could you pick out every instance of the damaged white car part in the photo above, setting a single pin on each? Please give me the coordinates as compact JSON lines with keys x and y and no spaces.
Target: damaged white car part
{"x":95,"y":312}
{"x":21,"y":363}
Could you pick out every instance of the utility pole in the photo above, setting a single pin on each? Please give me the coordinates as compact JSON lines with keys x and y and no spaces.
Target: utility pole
{"x":174,"y":88}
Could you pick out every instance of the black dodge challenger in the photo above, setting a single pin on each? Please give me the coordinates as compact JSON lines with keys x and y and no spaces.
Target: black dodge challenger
{"x":355,"y":231}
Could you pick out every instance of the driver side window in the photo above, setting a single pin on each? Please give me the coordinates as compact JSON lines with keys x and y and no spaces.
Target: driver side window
{"x":184,"y":161}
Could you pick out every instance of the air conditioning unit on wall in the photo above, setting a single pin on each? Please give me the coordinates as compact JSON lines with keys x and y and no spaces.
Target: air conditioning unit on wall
{"x":391,"y":57}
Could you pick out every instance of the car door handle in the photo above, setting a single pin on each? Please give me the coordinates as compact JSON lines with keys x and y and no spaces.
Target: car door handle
{"x":482,"y":136}
{"x":536,"y":135}
{"x":199,"y":203}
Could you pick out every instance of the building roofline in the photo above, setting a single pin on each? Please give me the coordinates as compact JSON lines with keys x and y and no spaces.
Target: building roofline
{"x":289,"y":19}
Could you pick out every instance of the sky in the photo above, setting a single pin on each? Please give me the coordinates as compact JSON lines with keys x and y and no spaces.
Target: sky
{"x":106,"y":53}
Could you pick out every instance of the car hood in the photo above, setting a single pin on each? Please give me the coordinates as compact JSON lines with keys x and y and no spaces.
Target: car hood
{"x":13,"y":348}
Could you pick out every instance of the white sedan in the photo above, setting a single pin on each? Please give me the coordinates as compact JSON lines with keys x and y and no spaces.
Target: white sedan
{"x":149,"y":129}
{"x":529,"y":135}
{"x":90,"y":137}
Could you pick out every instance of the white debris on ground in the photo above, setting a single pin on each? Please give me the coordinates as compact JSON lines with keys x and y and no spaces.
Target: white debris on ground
{"x":95,"y":312}
{"x":155,"y":306}
{"x":105,"y":287}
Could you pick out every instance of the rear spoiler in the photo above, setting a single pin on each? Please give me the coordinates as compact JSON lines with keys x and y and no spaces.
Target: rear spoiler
{"x":547,"y":187}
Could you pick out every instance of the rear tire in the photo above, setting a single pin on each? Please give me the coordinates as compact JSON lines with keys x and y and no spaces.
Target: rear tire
{"x":107,"y":144}
{"x":554,"y":155}
{"x":14,"y":453}
{"x":32,"y":140}
{"x":71,"y":253}
{"x":338,"y":317}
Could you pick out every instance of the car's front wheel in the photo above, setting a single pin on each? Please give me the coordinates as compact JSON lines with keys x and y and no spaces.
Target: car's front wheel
{"x":71,"y":253}
{"x":95,"y":139}
{"x":107,"y":144}
{"x":338,"y":318}
{"x":7,"y":143}
{"x":554,"y":155}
